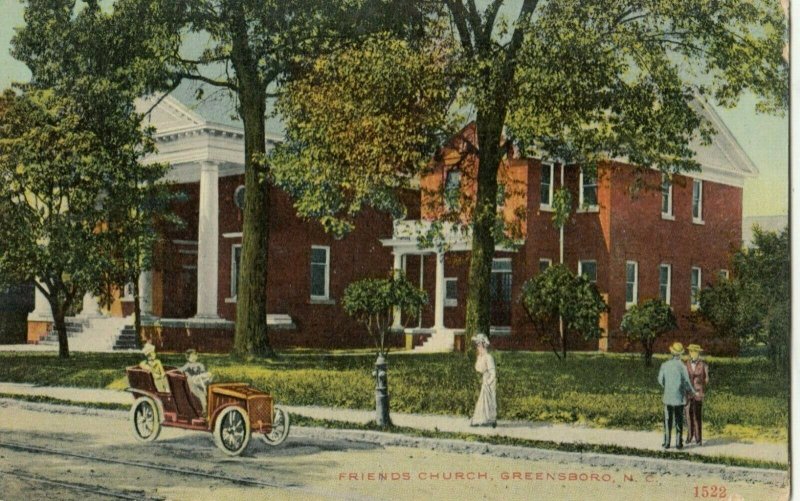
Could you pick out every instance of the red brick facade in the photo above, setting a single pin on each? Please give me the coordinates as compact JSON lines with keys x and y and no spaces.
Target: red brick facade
{"x":319,"y":324}
{"x":626,"y":225}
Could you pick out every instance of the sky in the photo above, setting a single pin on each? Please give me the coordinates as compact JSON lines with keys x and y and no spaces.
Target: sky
{"x":765,"y":138}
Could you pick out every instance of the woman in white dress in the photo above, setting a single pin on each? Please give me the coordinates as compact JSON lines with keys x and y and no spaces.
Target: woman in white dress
{"x":486,"y":408}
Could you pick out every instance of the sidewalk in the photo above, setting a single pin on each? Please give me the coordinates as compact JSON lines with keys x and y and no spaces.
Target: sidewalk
{"x":646,"y":440}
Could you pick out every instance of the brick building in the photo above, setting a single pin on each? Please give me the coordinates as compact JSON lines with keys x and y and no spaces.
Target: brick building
{"x":635,"y":233}
{"x":657,"y":242}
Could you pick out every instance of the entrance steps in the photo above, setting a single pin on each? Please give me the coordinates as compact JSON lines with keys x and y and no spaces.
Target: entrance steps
{"x":97,"y":334}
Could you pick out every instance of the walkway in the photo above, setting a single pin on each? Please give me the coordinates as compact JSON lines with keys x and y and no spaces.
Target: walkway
{"x":564,"y":433}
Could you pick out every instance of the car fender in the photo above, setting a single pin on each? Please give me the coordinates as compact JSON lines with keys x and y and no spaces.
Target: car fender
{"x":143,"y":393}
{"x":213,"y":418}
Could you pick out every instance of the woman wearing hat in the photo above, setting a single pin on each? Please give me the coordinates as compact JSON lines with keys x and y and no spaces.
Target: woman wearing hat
{"x":486,"y":408}
{"x":698,"y":375}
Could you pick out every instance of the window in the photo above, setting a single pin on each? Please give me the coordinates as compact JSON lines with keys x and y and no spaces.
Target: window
{"x":501,"y":195}
{"x":546,"y":187}
{"x":631,"y":283}
{"x":544,"y":263}
{"x":320,"y":272}
{"x":664,"y":282}
{"x":501,"y":265}
{"x":588,"y":198}
{"x":696,"y":277}
{"x":452,"y":189}
{"x":724,"y":275}
{"x":697,"y":201}
{"x":451,"y":292}
{"x":666,"y":197}
{"x":236,"y":259}
{"x":588,"y":269}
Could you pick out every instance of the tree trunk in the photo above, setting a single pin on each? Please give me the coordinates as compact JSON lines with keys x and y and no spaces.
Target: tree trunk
{"x":563,"y":339}
{"x":251,"y":338}
{"x":648,"y":353}
{"x":137,"y":314}
{"x":59,"y":312}
{"x":480,"y":267}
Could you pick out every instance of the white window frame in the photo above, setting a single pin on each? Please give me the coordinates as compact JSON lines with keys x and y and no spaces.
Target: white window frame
{"x":545,"y":260}
{"x":635,"y":264}
{"x":698,"y":219}
{"x":234,"y":274}
{"x":668,"y":294}
{"x":694,"y":290}
{"x":670,"y":213}
{"x":450,"y":302}
{"x":452,"y":205}
{"x":724,"y":274}
{"x":327,"y":294}
{"x":580,"y":268}
{"x":581,"y":206}
{"x":550,"y":191}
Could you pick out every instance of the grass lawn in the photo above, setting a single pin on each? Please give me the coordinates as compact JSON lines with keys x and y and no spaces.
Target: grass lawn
{"x":745,"y":399}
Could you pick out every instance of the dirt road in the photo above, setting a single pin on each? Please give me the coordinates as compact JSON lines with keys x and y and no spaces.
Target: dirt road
{"x":71,"y":453}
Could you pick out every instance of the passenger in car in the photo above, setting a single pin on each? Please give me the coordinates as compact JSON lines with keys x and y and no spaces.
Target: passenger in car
{"x":153,"y":365}
{"x":197,"y":376}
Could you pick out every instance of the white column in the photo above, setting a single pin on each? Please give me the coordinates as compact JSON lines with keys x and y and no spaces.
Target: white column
{"x":90,"y":307}
{"x":438,"y":319}
{"x":208,"y":241}
{"x":146,"y":293}
{"x":397,"y":268}
{"x":41,"y":309}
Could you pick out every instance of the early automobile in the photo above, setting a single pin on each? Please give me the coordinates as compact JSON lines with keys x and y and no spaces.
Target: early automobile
{"x":235,"y":411}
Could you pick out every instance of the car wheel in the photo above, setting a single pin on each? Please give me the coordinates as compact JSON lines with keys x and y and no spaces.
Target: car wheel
{"x":145,"y":421}
{"x":280,"y":428}
{"x":232,"y":431}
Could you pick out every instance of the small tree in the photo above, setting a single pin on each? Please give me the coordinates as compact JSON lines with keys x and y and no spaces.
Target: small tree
{"x":371,"y":302}
{"x":754,"y":305}
{"x":558,"y":293}
{"x":646,"y":322}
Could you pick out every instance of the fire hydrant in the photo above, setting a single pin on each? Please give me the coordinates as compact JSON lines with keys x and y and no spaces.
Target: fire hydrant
{"x":381,"y":392}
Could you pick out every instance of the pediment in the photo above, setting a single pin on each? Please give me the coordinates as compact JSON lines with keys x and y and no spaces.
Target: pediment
{"x":168,"y":115}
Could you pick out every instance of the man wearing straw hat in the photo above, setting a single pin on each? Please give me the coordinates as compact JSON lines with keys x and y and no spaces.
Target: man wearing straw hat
{"x":674,"y":378}
{"x":698,"y":375}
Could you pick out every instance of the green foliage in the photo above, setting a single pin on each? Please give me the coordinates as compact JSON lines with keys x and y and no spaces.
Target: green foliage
{"x":558,"y":294}
{"x":754,"y":305}
{"x":360,"y":124}
{"x":745,"y":400}
{"x":562,"y":206}
{"x":647,"y":321}
{"x":371,"y":301}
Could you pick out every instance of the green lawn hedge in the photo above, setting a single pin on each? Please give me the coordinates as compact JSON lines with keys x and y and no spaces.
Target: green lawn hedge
{"x":745,"y":397}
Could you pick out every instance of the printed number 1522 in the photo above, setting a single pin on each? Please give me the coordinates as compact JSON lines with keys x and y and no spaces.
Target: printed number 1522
{"x":710,"y":491}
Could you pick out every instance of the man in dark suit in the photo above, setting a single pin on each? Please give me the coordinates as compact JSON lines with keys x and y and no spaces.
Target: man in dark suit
{"x":698,"y":376}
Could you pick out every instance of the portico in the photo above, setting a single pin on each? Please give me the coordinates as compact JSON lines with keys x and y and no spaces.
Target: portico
{"x":422,"y":237}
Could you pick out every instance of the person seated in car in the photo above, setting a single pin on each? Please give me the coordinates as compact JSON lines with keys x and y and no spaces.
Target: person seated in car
{"x":197,"y":376}
{"x":154,"y":367}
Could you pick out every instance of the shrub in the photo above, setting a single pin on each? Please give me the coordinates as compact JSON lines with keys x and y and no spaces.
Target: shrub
{"x":646,"y":322}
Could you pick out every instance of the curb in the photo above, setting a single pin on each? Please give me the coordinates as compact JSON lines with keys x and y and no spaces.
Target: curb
{"x":647,"y":466}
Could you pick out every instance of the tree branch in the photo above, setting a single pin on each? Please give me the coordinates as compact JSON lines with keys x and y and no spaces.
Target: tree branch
{"x":211,"y":81}
{"x":459,"y":15}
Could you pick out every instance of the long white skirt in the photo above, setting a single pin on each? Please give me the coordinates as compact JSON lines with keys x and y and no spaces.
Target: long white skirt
{"x":486,"y":406}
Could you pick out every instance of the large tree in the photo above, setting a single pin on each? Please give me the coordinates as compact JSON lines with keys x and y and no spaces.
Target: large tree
{"x":87,"y":68}
{"x":251,"y":48}
{"x":583,"y":81}
{"x":58,"y":197}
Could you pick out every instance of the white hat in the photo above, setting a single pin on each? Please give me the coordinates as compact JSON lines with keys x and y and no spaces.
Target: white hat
{"x":148,"y":349}
{"x":480,"y":338}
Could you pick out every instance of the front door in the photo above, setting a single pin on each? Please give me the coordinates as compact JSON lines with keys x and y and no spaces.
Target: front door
{"x":500,"y":293}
